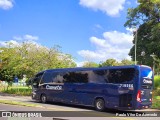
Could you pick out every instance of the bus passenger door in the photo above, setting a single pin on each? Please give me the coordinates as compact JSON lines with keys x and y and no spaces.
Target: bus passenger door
{"x":69,"y":93}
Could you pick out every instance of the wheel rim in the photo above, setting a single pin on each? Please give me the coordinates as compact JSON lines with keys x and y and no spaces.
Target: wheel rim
{"x":43,"y":98}
{"x":99,"y":104}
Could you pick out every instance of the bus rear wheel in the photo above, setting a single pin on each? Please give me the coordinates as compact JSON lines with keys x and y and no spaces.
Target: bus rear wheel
{"x":43,"y":98}
{"x":99,"y":104}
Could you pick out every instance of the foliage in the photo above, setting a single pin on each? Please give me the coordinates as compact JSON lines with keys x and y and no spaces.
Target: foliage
{"x":146,"y":11}
{"x":109,"y":62}
{"x":157,"y":82}
{"x":147,"y":17}
{"x":29,"y":58}
{"x":113,"y":62}
{"x":156,"y":92}
{"x":90,"y":64}
{"x":156,"y":103}
{"x":23,"y":91}
{"x":127,"y":62}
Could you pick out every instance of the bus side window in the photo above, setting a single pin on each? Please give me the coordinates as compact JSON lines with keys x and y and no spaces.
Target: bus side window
{"x":98,"y":76}
{"x":46,"y":78}
{"x":121,"y":75}
{"x":57,"y":77}
{"x":111,"y":76}
{"x":76,"y":77}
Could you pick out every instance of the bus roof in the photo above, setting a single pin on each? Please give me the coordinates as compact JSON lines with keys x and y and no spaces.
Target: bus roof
{"x":86,"y":69}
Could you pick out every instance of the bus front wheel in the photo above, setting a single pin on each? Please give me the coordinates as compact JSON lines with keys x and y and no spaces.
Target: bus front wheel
{"x":43,"y":98}
{"x":99,"y":104}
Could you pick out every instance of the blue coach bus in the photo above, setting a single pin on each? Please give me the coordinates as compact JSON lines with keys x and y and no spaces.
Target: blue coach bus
{"x":118,"y":87}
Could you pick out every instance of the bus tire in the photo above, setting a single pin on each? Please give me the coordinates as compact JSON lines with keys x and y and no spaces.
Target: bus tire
{"x":99,"y":104}
{"x":43,"y":98}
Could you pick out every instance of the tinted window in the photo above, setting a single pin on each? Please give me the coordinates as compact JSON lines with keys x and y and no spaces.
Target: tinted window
{"x":111,"y":75}
{"x":52,"y":77}
{"x":85,"y":77}
{"x":121,"y":75}
{"x":57,"y":77}
{"x":76,"y":77}
{"x":97,"y":76}
{"x":47,"y":78}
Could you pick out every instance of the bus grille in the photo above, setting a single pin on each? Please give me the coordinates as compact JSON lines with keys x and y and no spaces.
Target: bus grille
{"x":125,"y":100}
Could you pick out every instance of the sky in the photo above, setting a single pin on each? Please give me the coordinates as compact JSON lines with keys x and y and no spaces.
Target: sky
{"x":89,"y":30}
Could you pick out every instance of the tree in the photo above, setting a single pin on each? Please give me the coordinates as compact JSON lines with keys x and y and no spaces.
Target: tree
{"x":113,"y":62}
{"x":29,"y":58}
{"x":7,"y":64}
{"x":147,"y":17}
{"x":126,"y":62}
{"x":90,"y":64}
{"x":109,"y":62}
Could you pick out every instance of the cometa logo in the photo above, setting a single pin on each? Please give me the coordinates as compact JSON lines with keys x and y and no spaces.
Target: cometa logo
{"x":147,"y":81}
{"x":54,"y":87}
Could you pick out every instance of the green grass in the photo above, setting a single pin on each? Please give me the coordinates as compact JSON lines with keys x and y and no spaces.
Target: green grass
{"x":23,"y":91}
{"x":18,"y":103}
{"x":156,"y":102}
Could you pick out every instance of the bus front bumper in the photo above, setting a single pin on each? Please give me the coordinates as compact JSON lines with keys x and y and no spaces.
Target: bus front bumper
{"x":34,"y":96}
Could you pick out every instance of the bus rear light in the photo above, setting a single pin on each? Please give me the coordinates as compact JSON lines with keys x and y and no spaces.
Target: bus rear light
{"x":150,"y":100}
{"x":139,"y":96}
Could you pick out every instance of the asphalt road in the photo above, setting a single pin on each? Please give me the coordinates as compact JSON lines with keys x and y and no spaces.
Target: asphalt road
{"x":49,"y":113}
{"x":61,"y":111}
